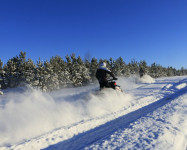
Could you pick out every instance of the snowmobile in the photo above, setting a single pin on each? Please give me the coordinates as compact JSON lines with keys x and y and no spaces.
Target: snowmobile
{"x":101,"y":92}
{"x":112,"y":84}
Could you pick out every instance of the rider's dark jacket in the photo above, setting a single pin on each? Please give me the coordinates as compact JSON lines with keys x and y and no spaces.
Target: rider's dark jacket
{"x":101,"y":75}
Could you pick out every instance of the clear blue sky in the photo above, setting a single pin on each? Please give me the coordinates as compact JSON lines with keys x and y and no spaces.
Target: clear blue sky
{"x":151,"y":30}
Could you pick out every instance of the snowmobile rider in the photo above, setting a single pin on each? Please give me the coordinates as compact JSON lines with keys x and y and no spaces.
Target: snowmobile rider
{"x":101,"y":75}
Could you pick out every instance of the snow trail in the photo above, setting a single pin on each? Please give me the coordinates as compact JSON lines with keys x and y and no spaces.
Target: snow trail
{"x":82,"y":140}
{"x":68,"y":117}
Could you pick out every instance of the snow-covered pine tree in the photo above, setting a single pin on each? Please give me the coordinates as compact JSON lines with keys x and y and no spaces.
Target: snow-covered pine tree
{"x":93,"y":68}
{"x":143,"y":65}
{"x":171,"y":71}
{"x":21,"y":66}
{"x":76,"y":76}
{"x":50,"y":78}
{"x":26,"y":69}
{"x":87,"y":63}
{"x":29,"y":73}
{"x":84,"y":71}
{"x":60,"y":69}
{"x":4,"y":75}
{"x":69,"y":70}
{"x":39,"y":76}
{"x":133,"y":67}
{"x":16,"y":70}
{"x":12,"y":75}
{"x":120,"y":67}
{"x":153,"y":70}
{"x":157,"y":71}
{"x":79,"y":74}
{"x":57,"y":64}
{"x":52,"y":82}
{"x":111,"y":64}
{"x":182,"y":71}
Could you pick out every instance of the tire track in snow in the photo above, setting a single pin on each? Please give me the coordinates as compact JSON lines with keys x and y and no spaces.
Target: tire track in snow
{"x":85,"y":139}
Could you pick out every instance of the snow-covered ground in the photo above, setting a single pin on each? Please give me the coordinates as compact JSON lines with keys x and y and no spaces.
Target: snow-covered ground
{"x":152,"y":114}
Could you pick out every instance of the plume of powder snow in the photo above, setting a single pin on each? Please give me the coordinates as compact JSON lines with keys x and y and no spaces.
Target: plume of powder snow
{"x":145,"y":79}
{"x":28,"y":114}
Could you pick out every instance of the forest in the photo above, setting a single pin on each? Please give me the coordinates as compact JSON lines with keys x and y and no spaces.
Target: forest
{"x":72,"y":72}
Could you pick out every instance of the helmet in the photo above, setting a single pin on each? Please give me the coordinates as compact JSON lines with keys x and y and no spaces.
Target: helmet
{"x":103,"y":65}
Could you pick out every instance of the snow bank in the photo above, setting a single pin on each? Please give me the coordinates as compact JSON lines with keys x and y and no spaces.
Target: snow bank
{"x":32,"y":113}
{"x":1,"y":92}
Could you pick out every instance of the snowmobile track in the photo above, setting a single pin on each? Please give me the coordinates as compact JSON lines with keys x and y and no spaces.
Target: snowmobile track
{"x":87,"y":138}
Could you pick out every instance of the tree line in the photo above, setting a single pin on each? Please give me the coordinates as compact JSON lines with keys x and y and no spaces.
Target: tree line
{"x":71,"y":72}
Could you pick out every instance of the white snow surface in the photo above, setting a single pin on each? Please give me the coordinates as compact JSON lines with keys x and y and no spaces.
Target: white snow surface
{"x":1,"y":93}
{"x":150,"y":114}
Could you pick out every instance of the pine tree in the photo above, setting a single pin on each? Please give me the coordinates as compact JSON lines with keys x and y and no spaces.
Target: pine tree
{"x":29,"y":73}
{"x":144,"y":66}
{"x":120,"y":67}
{"x":75,"y":72}
{"x":39,"y":76}
{"x":93,"y":68}
{"x":21,"y":67}
{"x":87,"y":61}
{"x":133,"y":67}
{"x":59,"y":69}
{"x":84,"y":71}
{"x":26,"y":69}
{"x":50,"y":77}
{"x":12,"y":74}
{"x":182,"y":71}
{"x":171,"y":71}
{"x":111,"y":64}
{"x":16,"y":70}
{"x":69,"y":70}
{"x":157,"y":71}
